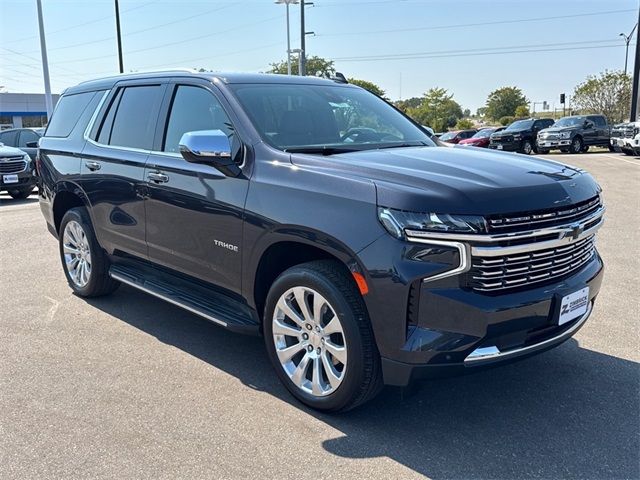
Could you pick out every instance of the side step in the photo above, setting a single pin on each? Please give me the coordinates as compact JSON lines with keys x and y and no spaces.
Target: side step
{"x":192,"y":296}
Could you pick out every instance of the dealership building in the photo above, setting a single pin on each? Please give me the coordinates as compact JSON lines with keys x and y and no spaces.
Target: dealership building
{"x":23,"y":110}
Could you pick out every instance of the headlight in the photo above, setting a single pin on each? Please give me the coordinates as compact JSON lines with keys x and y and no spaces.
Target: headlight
{"x":517,"y":136}
{"x":396,"y":221}
{"x":565,"y":135}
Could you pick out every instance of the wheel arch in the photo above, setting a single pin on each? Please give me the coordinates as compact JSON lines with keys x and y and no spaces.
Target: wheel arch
{"x":67,"y":196}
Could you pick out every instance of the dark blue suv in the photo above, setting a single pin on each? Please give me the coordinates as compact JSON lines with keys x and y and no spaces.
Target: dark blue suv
{"x":314,"y":213}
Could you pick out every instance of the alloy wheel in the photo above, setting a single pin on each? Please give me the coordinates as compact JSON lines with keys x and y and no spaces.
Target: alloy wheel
{"x":77,"y":253}
{"x":309,"y":341}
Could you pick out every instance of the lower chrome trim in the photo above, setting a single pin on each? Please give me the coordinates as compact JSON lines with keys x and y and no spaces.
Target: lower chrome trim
{"x":486,"y":355}
{"x":463,"y":250}
{"x":127,"y":281}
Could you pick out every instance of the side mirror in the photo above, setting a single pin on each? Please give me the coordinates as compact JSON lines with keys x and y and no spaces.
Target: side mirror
{"x":588,"y":124}
{"x":32,"y":144}
{"x":211,"y":147}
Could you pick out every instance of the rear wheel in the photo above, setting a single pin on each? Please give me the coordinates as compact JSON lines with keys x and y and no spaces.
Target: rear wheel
{"x":576,"y":145}
{"x":319,"y":338}
{"x":21,"y":194}
{"x":85,"y":263}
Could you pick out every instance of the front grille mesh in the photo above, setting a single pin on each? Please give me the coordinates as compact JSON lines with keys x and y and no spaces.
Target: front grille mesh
{"x":490,"y":274}
{"x":13,"y":165}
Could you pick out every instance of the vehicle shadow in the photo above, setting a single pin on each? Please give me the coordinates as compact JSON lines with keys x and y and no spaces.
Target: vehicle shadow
{"x":568,"y":413}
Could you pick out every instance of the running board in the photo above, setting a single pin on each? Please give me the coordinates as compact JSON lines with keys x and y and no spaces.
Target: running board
{"x":209,"y":304}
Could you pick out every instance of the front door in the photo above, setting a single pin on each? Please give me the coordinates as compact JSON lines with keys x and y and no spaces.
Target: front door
{"x":194,"y":212}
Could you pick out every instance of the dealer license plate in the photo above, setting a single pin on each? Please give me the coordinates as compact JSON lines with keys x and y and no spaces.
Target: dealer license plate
{"x":573,"y":305}
{"x":10,"y":178}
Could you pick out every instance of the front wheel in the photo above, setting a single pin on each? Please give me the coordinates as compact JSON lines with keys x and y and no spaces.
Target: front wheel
{"x":527,"y":147}
{"x":576,"y":145}
{"x":21,"y":194}
{"x":85,"y":263}
{"x":319,"y":338}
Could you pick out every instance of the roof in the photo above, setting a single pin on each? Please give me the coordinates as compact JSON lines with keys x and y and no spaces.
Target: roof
{"x":224,"y":77}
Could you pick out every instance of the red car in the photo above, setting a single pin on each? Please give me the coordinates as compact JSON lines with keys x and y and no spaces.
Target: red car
{"x":457,"y":136}
{"x":480,"y":139}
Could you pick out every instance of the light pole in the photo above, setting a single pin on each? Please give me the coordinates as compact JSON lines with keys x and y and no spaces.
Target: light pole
{"x":627,"y":40}
{"x":287,"y":3}
{"x":45,"y":63}
{"x":119,"y":38}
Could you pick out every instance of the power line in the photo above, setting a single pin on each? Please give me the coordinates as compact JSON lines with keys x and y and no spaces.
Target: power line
{"x":478,"y":24}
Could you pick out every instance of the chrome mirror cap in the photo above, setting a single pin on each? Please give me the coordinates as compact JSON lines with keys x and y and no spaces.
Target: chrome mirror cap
{"x":203,"y":145}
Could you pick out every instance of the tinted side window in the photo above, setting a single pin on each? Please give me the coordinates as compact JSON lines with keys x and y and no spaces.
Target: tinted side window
{"x":192,"y":109}
{"x":135,"y":119}
{"x":9,"y":138}
{"x":598,"y":120}
{"x":27,"y":136}
{"x":67,"y":114}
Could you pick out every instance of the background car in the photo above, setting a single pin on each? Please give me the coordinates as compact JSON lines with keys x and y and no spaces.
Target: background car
{"x":17,"y":172}
{"x":457,"y":135}
{"x":26,"y":139}
{"x":575,"y":134}
{"x":520,"y":136}
{"x":630,"y":132}
{"x":481,"y":138}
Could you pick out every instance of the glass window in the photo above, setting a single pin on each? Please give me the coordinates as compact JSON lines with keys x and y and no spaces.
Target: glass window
{"x":520,"y":125}
{"x":193,"y":109}
{"x":293,"y":117}
{"x":598,"y":120}
{"x":67,"y":113}
{"x":9,"y":138}
{"x":27,"y":136}
{"x":135,"y":119}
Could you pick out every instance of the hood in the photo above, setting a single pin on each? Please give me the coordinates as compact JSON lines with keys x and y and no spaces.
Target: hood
{"x":460,"y":180}
{"x":471,"y":141}
{"x":10,"y":151}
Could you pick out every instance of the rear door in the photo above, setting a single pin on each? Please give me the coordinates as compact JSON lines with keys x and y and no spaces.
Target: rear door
{"x":602,"y":130}
{"x":194,"y":212}
{"x":113,"y":161}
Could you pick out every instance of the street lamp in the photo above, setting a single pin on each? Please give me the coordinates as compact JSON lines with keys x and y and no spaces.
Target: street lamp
{"x":287,"y":3}
{"x":627,"y":40}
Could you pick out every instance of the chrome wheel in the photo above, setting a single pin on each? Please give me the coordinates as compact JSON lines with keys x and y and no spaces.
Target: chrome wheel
{"x":309,"y":340}
{"x":77,"y":253}
{"x":527,"y":148}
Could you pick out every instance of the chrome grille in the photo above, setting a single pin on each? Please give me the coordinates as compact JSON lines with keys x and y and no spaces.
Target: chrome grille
{"x":499,"y":273}
{"x":12,"y":165}
{"x":502,"y":138}
{"x":544,"y":218}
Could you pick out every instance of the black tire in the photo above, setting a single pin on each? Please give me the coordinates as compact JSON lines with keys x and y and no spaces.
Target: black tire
{"x":527,"y":147}
{"x":363,"y":376}
{"x":99,"y":283}
{"x":611,"y":148}
{"x":576,"y":145}
{"x":585,"y":149}
{"x":564,"y":150}
{"x":21,"y":194}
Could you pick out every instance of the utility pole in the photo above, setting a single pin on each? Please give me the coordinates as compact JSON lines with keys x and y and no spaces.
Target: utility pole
{"x":118,"y":37}
{"x":45,"y":63}
{"x":303,"y":34}
{"x":635,"y":93}
{"x":627,"y":39}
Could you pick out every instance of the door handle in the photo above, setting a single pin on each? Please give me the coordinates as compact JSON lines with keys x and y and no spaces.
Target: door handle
{"x":158,"y":177}
{"x":93,"y":166}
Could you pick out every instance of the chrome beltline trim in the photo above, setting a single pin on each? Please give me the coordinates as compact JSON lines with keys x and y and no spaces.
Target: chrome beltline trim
{"x":491,"y":354}
{"x":463,"y":250}
{"x":123,"y":279}
{"x":412,"y":235}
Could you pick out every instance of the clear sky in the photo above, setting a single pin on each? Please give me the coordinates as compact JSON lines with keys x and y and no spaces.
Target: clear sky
{"x":405,"y":46}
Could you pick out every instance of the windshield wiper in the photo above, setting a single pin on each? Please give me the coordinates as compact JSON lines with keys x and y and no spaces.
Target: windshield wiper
{"x":322,"y":150}
{"x":403,"y":145}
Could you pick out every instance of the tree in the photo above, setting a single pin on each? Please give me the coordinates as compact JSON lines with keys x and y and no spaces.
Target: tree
{"x":466,"y":113}
{"x":315,"y":65}
{"x":504,"y":101}
{"x":522,"y":111}
{"x":608,"y":93}
{"x":438,"y":110}
{"x":464,"y":124}
{"x":405,"y":105}
{"x":481,"y":112}
{"x":372,"y":87}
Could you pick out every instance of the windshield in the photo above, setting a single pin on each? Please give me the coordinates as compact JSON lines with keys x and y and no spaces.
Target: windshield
{"x":520,"y":125}
{"x":448,"y":135}
{"x":329,"y":118}
{"x":569,"y":122}
{"x":484,"y":133}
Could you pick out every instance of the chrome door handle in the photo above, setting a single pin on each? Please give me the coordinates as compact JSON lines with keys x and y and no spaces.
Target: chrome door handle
{"x":93,"y":166}
{"x":158,"y":177}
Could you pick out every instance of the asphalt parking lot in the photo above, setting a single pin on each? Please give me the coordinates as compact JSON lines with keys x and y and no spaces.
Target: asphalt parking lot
{"x":128,"y":386}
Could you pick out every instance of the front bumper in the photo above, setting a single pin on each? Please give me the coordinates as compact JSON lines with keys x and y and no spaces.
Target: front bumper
{"x":25,"y":180}
{"x":514,"y":146}
{"x":551,"y":144}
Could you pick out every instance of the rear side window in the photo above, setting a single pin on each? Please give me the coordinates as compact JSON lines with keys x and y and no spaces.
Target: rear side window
{"x":67,"y":114}
{"x":598,"y":120}
{"x":9,"y":138}
{"x":134,"y":121}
